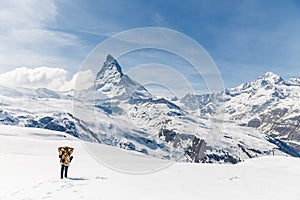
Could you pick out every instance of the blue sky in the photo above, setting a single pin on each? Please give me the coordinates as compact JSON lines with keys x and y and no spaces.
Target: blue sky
{"x":244,"y":38}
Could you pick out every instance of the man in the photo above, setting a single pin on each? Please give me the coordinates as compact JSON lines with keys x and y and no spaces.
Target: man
{"x":65,"y":159}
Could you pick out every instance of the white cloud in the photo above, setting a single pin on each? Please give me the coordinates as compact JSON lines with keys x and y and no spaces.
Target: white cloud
{"x":25,"y":37}
{"x":19,"y":13}
{"x":81,"y":80}
{"x":46,"y":77}
{"x":41,"y":77}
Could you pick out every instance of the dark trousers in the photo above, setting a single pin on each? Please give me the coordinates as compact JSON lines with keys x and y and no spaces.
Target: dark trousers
{"x":64,"y":168}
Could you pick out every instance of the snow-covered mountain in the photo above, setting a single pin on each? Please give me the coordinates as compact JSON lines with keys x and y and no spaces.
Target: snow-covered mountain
{"x":122,"y":113}
{"x":112,"y":83}
{"x":268,"y":104}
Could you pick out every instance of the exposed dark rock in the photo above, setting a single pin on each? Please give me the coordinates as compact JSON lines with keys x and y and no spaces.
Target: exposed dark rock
{"x":255,"y":123}
{"x":196,"y":150}
{"x":284,"y":147}
{"x":167,"y":135}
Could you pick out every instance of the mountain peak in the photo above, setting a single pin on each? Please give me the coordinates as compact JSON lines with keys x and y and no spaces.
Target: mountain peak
{"x":109,"y":58}
{"x":270,"y":74}
{"x":111,"y":82}
{"x":271,"y":77}
{"x":266,"y":80}
{"x":111,"y":64}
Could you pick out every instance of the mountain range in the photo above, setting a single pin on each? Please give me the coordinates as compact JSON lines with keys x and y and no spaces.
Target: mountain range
{"x":254,"y":119}
{"x":268,"y":104}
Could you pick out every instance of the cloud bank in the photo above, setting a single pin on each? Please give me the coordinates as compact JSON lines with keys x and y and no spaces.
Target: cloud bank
{"x":25,"y":35}
{"x":46,"y":77}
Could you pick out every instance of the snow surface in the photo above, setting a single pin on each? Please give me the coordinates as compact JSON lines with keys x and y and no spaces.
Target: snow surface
{"x":268,"y":104}
{"x":120,"y":112}
{"x":30,"y":170}
{"x":142,"y":120}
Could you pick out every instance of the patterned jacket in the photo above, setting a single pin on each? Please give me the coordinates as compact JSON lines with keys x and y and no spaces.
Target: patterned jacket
{"x":65,"y":155}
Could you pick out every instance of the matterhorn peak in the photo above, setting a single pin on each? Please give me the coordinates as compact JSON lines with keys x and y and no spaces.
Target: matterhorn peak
{"x":109,"y":58}
{"x":111,"y":64}
{"x":111,"y":82}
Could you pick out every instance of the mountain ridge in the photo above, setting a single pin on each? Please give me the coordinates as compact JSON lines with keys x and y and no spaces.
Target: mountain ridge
{"x":128,"y":116}
{"x":269,"y":104}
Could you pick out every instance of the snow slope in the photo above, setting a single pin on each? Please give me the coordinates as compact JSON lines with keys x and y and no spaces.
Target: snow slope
{"x":30,"y":170}
{"x":269,"y":104}
{"x":120,"y":112}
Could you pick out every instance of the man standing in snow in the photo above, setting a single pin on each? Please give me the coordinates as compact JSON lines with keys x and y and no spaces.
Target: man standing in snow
{"x":65,"y":159}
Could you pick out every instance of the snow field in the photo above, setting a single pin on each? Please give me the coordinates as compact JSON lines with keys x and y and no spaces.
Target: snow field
{"x":30,"y":169}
